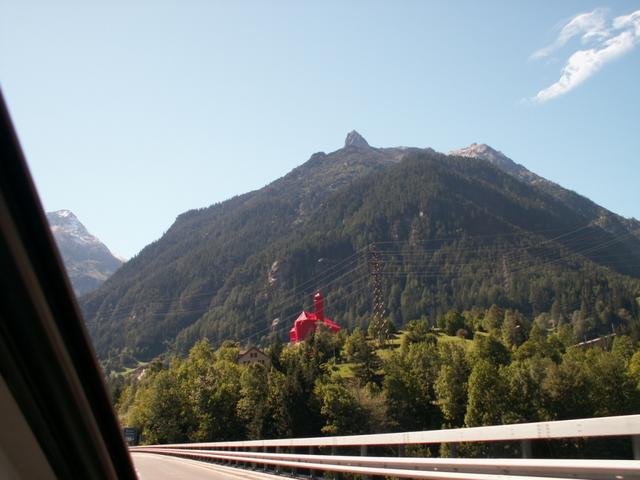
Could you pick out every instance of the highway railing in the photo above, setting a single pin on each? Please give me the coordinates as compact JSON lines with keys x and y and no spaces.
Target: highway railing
{"x":281,"y":454}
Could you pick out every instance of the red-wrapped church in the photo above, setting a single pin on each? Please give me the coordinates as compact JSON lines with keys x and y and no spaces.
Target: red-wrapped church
{"x":307,"y":321}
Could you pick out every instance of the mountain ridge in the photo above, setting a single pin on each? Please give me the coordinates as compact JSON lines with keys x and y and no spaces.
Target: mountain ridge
{"x":226,"y":271}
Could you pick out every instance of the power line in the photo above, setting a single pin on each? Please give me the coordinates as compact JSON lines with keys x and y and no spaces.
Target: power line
{"x":584,"y":243}
{"x":287,"y":303}
{"x":291,"y":317}
{"x":289,"y":294}
{"x":212,"y":293}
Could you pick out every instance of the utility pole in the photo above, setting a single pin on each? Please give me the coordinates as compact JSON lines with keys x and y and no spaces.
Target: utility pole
{"x":378,"y":328}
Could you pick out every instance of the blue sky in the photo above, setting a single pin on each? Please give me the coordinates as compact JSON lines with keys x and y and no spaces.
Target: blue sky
{"x":133,"y":112}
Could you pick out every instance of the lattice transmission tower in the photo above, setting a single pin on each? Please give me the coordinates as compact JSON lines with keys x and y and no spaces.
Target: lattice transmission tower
{"x":379,"y":327}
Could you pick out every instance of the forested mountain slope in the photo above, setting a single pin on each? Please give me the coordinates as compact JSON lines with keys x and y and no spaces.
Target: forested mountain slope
{"x":598,"y":215}
{"x":450,"y":233}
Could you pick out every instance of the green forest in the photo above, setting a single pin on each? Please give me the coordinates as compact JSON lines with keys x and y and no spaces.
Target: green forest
{"x":476,"y":367}
{"x":450,"y":234}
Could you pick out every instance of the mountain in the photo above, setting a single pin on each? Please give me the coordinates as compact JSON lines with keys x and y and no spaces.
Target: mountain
{"x":449,"y":231}
{"x":87,"y":260}
{"x":606,"y":219}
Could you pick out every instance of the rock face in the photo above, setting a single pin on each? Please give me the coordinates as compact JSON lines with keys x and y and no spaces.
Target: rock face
{"x":87,"y":260}
{"x":354,"y":139}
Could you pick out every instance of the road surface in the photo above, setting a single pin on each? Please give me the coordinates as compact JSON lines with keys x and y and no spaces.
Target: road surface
{"x":150,"y":466}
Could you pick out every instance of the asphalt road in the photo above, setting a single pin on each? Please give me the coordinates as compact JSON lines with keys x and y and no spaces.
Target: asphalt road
{"x":150,"y":466}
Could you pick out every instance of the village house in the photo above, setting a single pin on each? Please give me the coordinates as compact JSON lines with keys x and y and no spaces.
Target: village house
{"x":253,"y":355}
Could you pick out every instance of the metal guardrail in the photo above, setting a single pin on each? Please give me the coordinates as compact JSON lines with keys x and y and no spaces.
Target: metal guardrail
{"x":247,"y":454}
{"x":585,"y":427}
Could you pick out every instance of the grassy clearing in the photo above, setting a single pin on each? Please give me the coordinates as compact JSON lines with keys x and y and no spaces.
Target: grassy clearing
{"x":344,"y":370}
{"x":464,"y":342}
{"x":128,"y":370}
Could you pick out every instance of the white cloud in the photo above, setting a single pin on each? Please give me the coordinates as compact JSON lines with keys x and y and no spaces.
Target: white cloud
{"x":584,"y":63}
{"x":626,"y":21}
{"x":610,"y":43}
{"x":590,"y":25}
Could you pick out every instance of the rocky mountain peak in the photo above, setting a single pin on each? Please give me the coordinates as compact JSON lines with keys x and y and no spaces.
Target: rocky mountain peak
{"x":65,"y":222}
{"x":354,"y":139}
{"x":63,"y":214}
{"x":62,"y":217}
{"x":497,"y":158}
{"x":482,"y":151}
{"x":87,"y":260}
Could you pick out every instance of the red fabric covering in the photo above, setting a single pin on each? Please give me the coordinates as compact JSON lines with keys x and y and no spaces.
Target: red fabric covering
{"x":307,"y":321}
{"x":318,"y":302}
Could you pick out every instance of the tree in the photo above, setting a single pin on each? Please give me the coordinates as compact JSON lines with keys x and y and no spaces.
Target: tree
{"x":274,"y":352}
{"x":354,"y":346}
{"x":523,"y":381}
{"x":543,"y":321}
{"x":487,"y":395}
{"x":281,"y":422}
{"x":633,"y":369}
{"x":493,"y":318}
{"x":513,"y":328}
{"x":556,"y":312}
{"x":367,"y":362}
{"x":418,"y":331}
{"x":589,"y":382}
{"x":623,"y":347}
{"x":489,"y":348}
{"x":611,"y":389}
{"x":451,"y":383}
{"x":539,"y":346}
{"x":162,"y":411}
{"x":451,"y":322}
{"x":295,"y":406}
{"x":409,"y":387}
{"x":565,"y":335}
{"x":229,"y":351}
{"x":322,"y":345}
{"x":341,"y":412}
{"x":566,"y":388}
{"x":252,"y":407}
{"x":211,"y":382}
